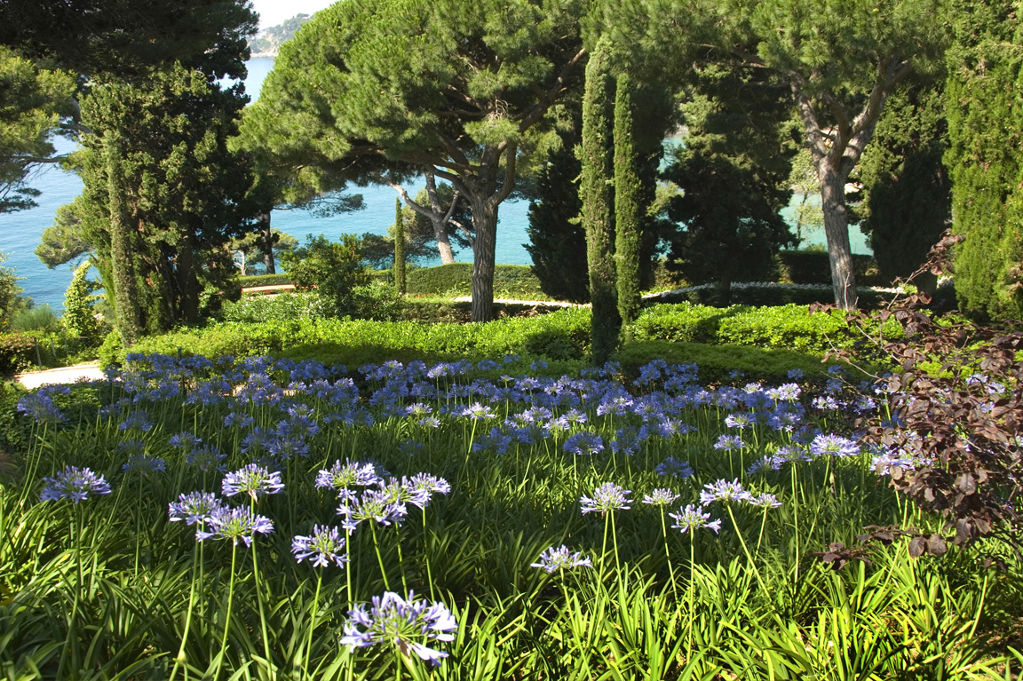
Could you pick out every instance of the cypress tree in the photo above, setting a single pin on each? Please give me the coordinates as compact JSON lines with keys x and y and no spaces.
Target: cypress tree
{"x":399,"y":247}
{"x":597,"y":196}
{"x":985,"y":123}
{"x":127,"y":306}
{"x":628,"y":208}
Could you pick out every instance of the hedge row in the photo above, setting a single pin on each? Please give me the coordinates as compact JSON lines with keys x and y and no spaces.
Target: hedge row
{"x":783,"y":338}
{"x":264,"y":280}
{"x":510,"y":281}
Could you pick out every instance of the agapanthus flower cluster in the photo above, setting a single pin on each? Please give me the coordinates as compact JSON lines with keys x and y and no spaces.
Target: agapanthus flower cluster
{"x":833,"y":445}
{"x":75,"y":484}
{"x":692,"y":518}
{"x":554,"y":559}
{"x":40,"y":407}
{"x":144,"y":464}
{"x":606,"y":498}
{"x":344,"y":476}
{"x":236,"y":524}
{"x":723,"y":490}
{"x":195,"y":508}
{"x":325,"y":546}
{"x":672,"y":466}
{"x":254,"y":480}
{"x":407,"y":624}
{"x":584,"y":443}
{"x":661,"y":496}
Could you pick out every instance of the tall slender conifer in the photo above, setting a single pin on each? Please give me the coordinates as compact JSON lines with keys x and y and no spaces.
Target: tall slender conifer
{"x":597,"y":195}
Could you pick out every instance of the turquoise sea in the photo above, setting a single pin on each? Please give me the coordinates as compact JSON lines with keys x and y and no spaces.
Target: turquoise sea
{"x":20,"y":232}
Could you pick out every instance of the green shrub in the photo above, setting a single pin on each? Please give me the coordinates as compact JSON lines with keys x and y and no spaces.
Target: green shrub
{"x":280,"y":306}
{"x":788,"y":326}
{"x":681,"y":322}
{"x":510,"y":281}
{"x":37,"y":318}
{"x":17,"y":352}
{"x":264,"y":280}
{"x":770,"y":295}
{"x":718,"y":363}
{"x":334,"y":268}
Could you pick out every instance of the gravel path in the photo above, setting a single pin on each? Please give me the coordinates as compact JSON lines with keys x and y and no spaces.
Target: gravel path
{"x":33,"y":379}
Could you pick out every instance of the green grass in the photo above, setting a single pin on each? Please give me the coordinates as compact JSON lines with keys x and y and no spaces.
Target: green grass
{"x":111,"y":588}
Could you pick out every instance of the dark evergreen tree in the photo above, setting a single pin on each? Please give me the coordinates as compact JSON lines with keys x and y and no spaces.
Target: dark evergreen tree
{"x":628,"y":208}
{"x":126,"y":301}
{"x":985,"y":121}
{"x":907,"y":191}
{"x":399,"y":248}
{"x":597,"y":196}
{"x":557,"y":242}
{"x":732,"y":171}
{"x":177,"y":194}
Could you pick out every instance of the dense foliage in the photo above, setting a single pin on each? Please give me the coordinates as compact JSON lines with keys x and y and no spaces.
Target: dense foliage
{"x":985,"y":119}
{"x":476,"y":103}
{"x":906,"y":204}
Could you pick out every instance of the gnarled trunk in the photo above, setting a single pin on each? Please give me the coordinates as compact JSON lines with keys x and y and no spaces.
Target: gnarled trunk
{"x":836,"y":229}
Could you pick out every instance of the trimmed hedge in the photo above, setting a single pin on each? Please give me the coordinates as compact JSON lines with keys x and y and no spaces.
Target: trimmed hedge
{"x":510,"y":281}
{"x":783,"y":338}
{"x":264,"y":280}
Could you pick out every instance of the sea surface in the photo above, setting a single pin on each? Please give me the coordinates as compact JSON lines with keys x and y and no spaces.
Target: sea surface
{"x":20,"y":232}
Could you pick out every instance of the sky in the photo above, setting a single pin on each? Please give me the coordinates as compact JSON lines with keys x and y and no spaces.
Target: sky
{"x":273,"y":12}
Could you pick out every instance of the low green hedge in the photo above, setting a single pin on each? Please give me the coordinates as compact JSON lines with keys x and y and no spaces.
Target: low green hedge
{"x":264,"y":280}
{"x":510,"y":281}
{"x":704,"y":334}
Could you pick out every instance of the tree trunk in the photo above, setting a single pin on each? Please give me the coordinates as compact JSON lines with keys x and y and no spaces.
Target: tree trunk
{"x":725,"y":291}
{"x":447,"y":256}
{"x":484,"y":219}
{"x":439,"y":220}
{"x":836,"y":229}
{"x":266,"y":241}
{"x":188,"y":282}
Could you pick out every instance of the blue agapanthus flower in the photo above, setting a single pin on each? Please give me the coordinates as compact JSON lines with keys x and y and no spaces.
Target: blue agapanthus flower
{"x":608,"y":497}
{"x":341,"y":476}
{"x":560,"y":558}
{"x":693,"y":517}
{"x":661,"y":496}
{"x":325,"y":545}
{"x":75,"y":484}
{"x":254,"y":480}
{"x":407,"y":624}
{"x":724,"y":490}
{"x":235,"y":524}
{"x":195,"y":508}
{"x":833,"y":445}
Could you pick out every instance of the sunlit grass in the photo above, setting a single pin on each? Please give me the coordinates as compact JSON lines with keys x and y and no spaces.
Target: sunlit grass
{"x":115,"y":587}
